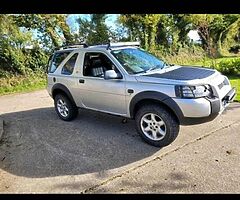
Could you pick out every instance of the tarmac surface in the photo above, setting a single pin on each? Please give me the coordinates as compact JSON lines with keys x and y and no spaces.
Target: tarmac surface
{"x":97,"y":153}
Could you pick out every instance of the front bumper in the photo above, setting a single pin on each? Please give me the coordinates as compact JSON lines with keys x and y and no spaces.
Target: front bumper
{"x":197,"y":111}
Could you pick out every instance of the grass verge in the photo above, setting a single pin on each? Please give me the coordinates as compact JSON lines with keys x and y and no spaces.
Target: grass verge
{"x":18,"y":84}
{"x":235,"y":82}
{"x":214,"y":62}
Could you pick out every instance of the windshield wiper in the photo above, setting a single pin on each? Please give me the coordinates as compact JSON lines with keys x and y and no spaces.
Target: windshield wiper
{"x":156,"y":67}
{"x":143,"y":71}
{"x":152,"y":68}
{"x":165,"y":64}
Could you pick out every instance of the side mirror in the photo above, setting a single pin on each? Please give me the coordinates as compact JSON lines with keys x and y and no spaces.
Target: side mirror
{"x":110,"y":74}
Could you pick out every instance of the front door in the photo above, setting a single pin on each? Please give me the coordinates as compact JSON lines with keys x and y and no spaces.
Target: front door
{"x":98,"y":93}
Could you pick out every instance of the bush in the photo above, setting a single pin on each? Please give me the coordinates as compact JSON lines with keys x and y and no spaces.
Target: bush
{"x":196,"y":56}
{"x":229,"y":66}
{"x":184,"y":56}
{"x":22,"y":61}
{"x":22,"y":83}
{"x":36,"y":60}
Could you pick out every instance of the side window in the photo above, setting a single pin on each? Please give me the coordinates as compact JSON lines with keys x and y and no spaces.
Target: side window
{"x":95,"y":64}
{"x":69,"y":65}
{"x":57,"y":60}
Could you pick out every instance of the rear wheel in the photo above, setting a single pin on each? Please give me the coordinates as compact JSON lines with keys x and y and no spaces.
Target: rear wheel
{"x":156,"y":125}
{"x":65,"y":109}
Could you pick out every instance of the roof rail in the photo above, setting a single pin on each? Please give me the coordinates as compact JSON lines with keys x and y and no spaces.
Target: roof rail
{"x":80,"y":45}
{"x":122,"y":44}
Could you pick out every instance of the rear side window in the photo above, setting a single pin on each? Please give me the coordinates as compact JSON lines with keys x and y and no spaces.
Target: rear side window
{"x":69,"y":65}
{"x":57,"y":60}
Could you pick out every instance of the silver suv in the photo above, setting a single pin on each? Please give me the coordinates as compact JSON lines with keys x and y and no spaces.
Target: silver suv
{"x":123,"y":79}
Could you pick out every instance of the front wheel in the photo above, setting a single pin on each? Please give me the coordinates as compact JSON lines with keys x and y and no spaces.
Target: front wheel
{"x":156,"y":125}
{"x":65,"y":109}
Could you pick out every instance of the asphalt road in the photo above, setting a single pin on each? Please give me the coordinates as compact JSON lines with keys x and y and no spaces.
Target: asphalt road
{"x":97,"y":153}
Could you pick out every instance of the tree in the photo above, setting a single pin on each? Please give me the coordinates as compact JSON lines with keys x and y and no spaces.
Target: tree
{"x":168,"y":33}
{"x":157,"y":30}
{"x":53,"y":28}
{"x":143,"y":27}
{"x":228,"y":36}
{"x":12,"y":42}
{"x":99,"y":34}
{"x":133,"y":25}
{"x":202,"y":22}
{"x":85,"y":27}
{"x":20,"y":52}
{"x":150,"y":23}
{"x":94,"y":31}
{"x":119,"y":34}
{"x":183,"y":27}
{"x":213,"y":29}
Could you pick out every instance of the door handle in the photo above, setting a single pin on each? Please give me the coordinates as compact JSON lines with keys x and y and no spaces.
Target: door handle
{"x":130,"y":91}
{"x":81,"y":80}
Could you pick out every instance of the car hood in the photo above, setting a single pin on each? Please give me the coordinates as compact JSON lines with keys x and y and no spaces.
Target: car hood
{"x":188,"y":75}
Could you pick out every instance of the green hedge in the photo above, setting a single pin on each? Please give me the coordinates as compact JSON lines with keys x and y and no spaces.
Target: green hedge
{"x":22,"y":83}
{"x":229,"y":66}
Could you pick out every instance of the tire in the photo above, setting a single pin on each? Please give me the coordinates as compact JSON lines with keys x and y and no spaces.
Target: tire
{"x":159,"y":132}
{"x":68,"y":106}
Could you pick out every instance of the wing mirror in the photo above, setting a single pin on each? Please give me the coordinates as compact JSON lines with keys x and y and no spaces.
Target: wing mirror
{"x":111,"y":74}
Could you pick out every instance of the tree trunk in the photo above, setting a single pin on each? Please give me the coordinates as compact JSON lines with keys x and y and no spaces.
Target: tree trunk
{"x":145,"y":38}
{"x":219,"y":45}
{"x":206,"y":39}
{"x":53,"y":37}
{"x":152,"y":35}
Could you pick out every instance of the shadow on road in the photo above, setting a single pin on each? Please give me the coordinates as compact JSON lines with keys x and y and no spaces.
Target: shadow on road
{"x":37,"y":143}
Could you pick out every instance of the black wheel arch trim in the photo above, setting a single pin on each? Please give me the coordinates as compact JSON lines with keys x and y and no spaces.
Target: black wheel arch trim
{"x":158,"y":96}
{"x":59,"y":86}
{"x":171,"y":104}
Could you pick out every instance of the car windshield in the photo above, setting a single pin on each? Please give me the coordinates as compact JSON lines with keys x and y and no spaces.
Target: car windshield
{"x":137,"y":60}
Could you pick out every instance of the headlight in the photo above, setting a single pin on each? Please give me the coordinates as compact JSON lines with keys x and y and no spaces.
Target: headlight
{"x":193,"y":91}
